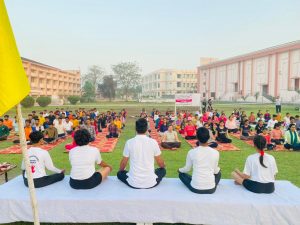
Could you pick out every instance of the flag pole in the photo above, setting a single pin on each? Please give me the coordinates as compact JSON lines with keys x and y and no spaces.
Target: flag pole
{"x":23,"y":145}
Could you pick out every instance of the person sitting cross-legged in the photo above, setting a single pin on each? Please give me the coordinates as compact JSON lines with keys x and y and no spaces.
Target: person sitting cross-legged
{"x":291,"y":137}
{"x":190,"y":131}
{"x":170,"y":139}
{"x":260,"y":170}
{"x":222,"y":133}
{"x":83,"y":158}
{"x":4,"y":131}
{"x":246,"y":131}
{"x":204,"y":161}
{"x":211,"y":141}
{"x":141,"y":151}
{"x":112,"y":130}
{"x":50,"y":134}
{"x":39,"y":160}
{"x":277,"y":135}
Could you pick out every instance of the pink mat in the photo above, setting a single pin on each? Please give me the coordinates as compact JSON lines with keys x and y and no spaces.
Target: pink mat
{"x":16,"y":149}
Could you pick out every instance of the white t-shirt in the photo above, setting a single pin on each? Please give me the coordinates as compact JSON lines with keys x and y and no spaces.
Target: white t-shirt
{"x":259,"y":173}
{"x":204,"y":161}
{"x":60,"y":128}
{"x":199,"y":124}
{"x":83,"y":159}
{"x":141,"y":151}
{"x":278,"y":101}
{"x":271,"y":123}
{"x":68,"y":126}
{"x":39,"y":160}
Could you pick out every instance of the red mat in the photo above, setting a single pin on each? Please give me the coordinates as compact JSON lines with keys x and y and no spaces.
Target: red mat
{"x":16,"y":149}
{"x":104,"y":144}
{"x":250,"y":142}
{"x":221,"y":146}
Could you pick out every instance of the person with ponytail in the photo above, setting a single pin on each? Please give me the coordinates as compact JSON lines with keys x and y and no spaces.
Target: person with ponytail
{"x":291,"y":138}
{"x":260,"y":170}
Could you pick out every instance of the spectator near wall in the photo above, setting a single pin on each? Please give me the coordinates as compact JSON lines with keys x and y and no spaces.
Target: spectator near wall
{"x":278,"y":105}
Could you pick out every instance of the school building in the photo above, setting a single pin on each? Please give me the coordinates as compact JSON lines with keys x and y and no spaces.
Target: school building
{"x":262,"y":74}
{"x":165,"y":83}
{"x":50,"y":81}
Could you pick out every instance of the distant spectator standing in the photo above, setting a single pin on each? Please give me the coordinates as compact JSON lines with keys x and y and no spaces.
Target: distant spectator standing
{"x":278,"y":105}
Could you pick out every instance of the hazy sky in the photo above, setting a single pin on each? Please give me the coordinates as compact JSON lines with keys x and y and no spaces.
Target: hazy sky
{"x":72,"y":34}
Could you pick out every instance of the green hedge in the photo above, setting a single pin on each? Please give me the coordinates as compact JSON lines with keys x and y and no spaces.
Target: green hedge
{"x":28,"y":102}
{"x":73,"y":99}
{"x":43,"y":101}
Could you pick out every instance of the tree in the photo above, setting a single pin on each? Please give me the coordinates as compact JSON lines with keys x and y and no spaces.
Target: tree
{"x":94,"y":75}
{"x":128,"y":76}
{"x":89,"y":91}
{"x":108,"y":87}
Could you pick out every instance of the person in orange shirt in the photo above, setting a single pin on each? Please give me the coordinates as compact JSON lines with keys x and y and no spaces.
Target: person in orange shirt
{"x":8,"y":122}
{"x":27,"y":129}
{"x":278,"y":118}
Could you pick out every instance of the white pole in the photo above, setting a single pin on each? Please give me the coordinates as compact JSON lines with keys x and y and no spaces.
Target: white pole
{"x":27,"y":166}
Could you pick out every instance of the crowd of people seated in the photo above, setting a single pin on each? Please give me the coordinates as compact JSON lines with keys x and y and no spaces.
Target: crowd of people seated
{"x":142,"y":152}
{"x":275,"y":129}
{"x":60,"y":123}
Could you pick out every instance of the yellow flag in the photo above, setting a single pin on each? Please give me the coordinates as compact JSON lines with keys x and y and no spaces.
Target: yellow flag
{"x":14,"y":84}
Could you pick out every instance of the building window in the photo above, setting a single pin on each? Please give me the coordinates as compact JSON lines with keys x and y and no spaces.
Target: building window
{"x":178,"y":84}
{"x":158,"y":85}
{"x":178,"y":76}
{"x":158,"y":76}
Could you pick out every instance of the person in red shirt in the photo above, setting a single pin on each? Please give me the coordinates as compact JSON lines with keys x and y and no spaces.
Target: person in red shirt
{"x":265,"y":133}
{"x":223,"y":118}
{"x":190,"y":131}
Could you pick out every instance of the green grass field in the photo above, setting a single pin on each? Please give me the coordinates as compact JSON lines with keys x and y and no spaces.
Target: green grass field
{"x":288,"y":162}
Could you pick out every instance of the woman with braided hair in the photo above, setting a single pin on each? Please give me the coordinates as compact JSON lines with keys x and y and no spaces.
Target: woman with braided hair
{"x":260,"y":170}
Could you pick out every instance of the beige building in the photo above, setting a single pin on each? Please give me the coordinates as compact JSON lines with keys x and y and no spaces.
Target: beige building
{"x":263,"y":75}
{"x":50,"y":81}
{"x":165,"y":83}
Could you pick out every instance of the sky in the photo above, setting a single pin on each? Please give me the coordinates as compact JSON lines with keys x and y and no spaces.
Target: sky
{"x":75,"y":34}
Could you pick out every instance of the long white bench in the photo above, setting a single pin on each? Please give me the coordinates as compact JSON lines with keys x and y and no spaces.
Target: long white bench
{"x":170,"y":202}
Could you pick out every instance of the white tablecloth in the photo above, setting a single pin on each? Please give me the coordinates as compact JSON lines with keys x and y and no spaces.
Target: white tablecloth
{"x":170,"y":202}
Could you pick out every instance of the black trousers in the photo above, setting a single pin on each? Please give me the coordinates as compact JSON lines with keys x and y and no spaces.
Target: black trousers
{"x":233,"y":130}
{"x":48,"y":140}
{"x":190,"y":137}
{"x":112,"y":135}
{"x":210,"y":144}
{"x":160,"y":173}
{"x":258,"y":187}
{"x":278,"y":108}
{"x":170,"y":145}
{"x":277,"y":141}
{"x":46,"y":180}
{"x":187,"y":179}
{"x":89,"y":183}
{"x":295,"y":147}
{"x":223,"y":139}
{"x":3,"y":138}
{"x":61,"y":135}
